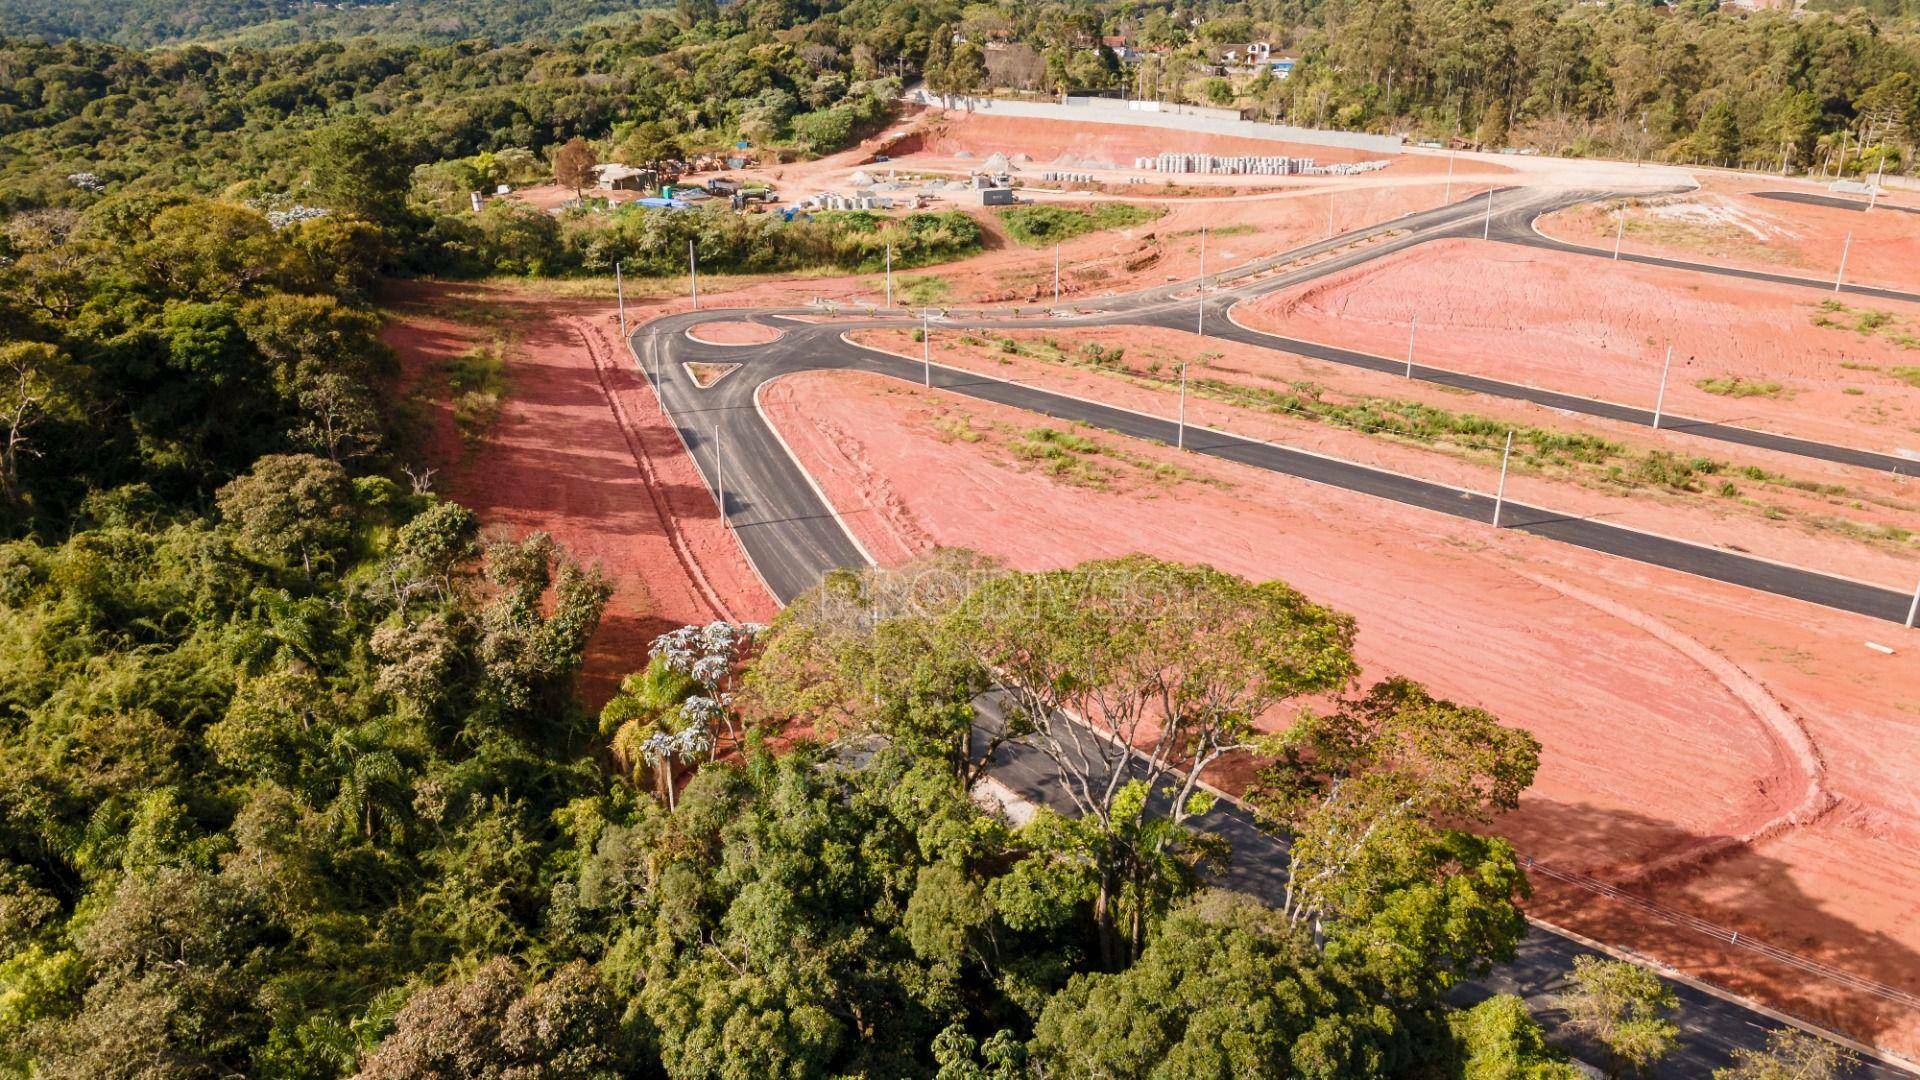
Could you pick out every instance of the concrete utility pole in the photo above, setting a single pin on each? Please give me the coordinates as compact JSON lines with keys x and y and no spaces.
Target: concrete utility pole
{"x":1873,"y":196}
{"x":1500,"y":494}
{"x":1841,"y":275}
{"x":1913,"y":609}
{"x":1412,"y":329}
{"x":926,"y":352}
{"x":693,"y":275}
{"x":620,"y":295}
{"x":1619,"y":233}
{"x":1203,"y":258}
{"x":1180,"y":439}
{"x":1486,"y":230}
{"x":1056,"y":275}
{"x":1660,"y":399}
{"x":1448,"y":197}
{"x":720,"y":475}
{"x":889,"y":275}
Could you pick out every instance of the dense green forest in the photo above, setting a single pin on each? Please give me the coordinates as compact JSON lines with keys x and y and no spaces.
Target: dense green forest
{"x":295,"y":776}
{"x":295,"y":780}
{"x":141,"y":23}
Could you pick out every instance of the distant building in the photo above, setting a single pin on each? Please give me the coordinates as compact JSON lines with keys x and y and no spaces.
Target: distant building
{"x":1245,"y":57}
{"x":617,"y":177}
{"x":1282,"y":66}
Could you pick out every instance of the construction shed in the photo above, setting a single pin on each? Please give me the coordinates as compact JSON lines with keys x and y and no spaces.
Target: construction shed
{"x":616,"y":177}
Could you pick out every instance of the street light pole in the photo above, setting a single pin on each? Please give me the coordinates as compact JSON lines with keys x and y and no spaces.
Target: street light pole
{"x":1844,"y":249}
{"x":1056,"y":275}
{"x":720,"y":475}
{"x":1412,"y":329}
{"x":1619,"y":233}
{"x":693,"y":275}
{"x":1500,"y":495}
{"x":1448,"y":197}
{"x":1660,"y":399}
{"x":1181,"y":437}
{"x":1486,"y":230}
{"x":1913,"y":609}
{"x":889,"y":275}
{"x":620,"y":295}
{"x":926,"y":353}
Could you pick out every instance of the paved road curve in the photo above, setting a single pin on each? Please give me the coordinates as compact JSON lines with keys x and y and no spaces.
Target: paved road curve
{"x":792,"y":536}
{"x":1833,"y":201}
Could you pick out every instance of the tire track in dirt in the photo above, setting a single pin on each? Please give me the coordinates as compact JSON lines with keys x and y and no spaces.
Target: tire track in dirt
{"x":594,"y":340}
{"x":1788,"y":735}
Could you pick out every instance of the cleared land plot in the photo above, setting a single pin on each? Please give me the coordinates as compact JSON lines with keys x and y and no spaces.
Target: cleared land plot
{"x":1776,"y":357}
{"x":1689,"y":728}
{"x":579,"y":450}
{"x":1728,"y":222}
{"x":1856,"y":523}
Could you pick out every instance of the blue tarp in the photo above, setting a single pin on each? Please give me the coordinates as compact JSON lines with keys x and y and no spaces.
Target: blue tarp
{"x":663,"y":204}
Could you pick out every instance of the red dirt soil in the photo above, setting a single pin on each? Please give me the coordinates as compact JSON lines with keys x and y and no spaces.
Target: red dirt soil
{"x":1600,"y":329}
{"x":579,"y":451}
{"x":1784,"y":522}
{"x":1726,"y":222}
{"x":1690,"y":730}
{"x":735,"y":333}
{"x":944,"y":134}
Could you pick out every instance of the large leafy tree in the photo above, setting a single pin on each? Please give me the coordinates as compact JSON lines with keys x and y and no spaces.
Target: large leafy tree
{"x":1624,"y":1007}
{"x":1140,"y":671}
{"x":1370,"y":795}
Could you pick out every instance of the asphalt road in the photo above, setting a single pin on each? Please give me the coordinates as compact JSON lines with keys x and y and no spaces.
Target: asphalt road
{"x":1531,"y":237}
{"x":792,"y":536}
{"x":1833,"y":201}
{"x":1712,"y":1028}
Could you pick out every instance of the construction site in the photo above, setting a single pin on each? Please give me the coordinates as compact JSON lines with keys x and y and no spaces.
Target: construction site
{"x":1701,"y":388}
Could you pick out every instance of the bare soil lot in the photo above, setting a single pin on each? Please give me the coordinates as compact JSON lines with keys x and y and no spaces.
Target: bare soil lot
{"x":1852,"y":522}
{"x":580,"y":451}
{"x":1727,"y":222}
{"x":1737,"y":756}
{"x":1778,"y":357}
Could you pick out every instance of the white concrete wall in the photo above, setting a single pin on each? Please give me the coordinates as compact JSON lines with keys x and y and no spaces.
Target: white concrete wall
{"x":1163,"y":115}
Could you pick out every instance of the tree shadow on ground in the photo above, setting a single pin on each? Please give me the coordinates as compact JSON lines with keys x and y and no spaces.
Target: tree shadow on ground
{"x":1774,"y":910}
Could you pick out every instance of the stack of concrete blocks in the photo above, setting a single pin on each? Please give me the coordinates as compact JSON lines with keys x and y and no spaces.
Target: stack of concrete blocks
{"x":1068,"y":177}
{"x":1213,"y":164}
{"x":1344,"y":168}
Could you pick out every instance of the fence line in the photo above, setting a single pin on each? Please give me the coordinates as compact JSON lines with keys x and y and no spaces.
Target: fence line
{"x":1730,"y":937}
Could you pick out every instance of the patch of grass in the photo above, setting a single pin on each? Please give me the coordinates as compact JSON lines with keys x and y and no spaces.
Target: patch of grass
{"x":1852,"y":390}
{"x":478,"y":380}
{"x":922,"y":290}
{"x":1906,"y":374}
{"x":1217,"y":231}
{"x":956,"y":429}
{"x":1867,"y":322}
{"x":1042,"y":224}
{"x":1855,"y":365}
{"x":1735,"y":386}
